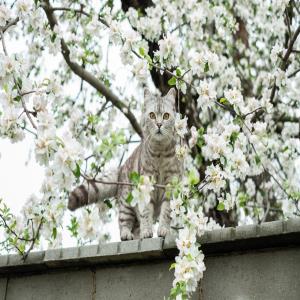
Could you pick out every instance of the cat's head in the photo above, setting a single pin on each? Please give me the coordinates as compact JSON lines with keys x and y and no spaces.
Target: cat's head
{"x":158,"y":116}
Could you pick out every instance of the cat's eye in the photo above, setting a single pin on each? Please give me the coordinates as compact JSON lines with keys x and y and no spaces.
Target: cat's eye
{"x":152,"y":115}
{"x":166,"y":116}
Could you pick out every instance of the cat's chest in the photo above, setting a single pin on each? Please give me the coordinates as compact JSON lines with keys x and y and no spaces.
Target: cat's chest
{"x":161,"y":168}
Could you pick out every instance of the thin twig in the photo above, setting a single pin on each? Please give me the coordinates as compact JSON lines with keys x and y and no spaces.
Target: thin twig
{"x":294,"y":73}
{"x":266,"y":212}
{"x":35,"y":237}
{"x":9,"y":24}
{"x":78,"y":11}
{"x":159,"y":186}
{"x":252,"y":112}
{"x":12,"y":231}
{"x":284,"y":63}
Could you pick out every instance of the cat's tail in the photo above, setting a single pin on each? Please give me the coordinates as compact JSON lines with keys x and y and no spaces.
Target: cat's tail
{"x":91,"y":192}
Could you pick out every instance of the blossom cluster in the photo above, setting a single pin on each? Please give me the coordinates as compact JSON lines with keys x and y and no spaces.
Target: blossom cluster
{"x":188,"y":216}
{"x":141,"y":194}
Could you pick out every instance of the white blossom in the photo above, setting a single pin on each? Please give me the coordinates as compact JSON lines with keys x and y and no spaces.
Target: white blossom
{"x":276,"y":50}
{"x":90,"y":224}
{"x":142,"y":193}
{"x":23,"y":7}
{"x":194,"y":137}
{"x":234,"y":96}
{"x":4,"y":14}
{"x":180,"y":125}
{"x":216,"y":178}
{"x":140,"y":70}
{"x":181,"y":151}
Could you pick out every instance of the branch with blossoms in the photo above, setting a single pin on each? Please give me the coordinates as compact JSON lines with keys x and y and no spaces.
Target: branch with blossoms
{"x":23,"y":240}
{"x":87,"y":76}
{"x":9,"y":24}
{"x":17,"y":85}
{"x":284,"y":64}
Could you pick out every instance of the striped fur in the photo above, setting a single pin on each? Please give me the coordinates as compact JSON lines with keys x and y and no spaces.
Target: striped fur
{"x":154,"y":157}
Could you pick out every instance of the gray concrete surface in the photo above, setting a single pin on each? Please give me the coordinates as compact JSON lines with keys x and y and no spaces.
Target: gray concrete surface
{"x":55,"y":286}
{"x":248,"y":262}
{"x":271,"y":275}
{"x":3,"y":283}
{"x":139,"y":281}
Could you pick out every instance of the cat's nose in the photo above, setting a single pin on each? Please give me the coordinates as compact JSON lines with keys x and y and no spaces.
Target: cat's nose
{"x":158,"y":125}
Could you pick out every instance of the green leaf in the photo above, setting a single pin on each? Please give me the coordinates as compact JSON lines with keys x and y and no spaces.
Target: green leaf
{"x":93,"y":119}
{"x":149,"y":60}
{"x":54,"y":233}
{"x":257,"y":159}
{"x":295,"y":196}
{"x":206,"y":67}
{"x":178,"y":72}
{"x":129,"y":198}
{"x":285,"y":149}
{"x":5,"y":87}
{"x":200,"y":140}
{"x":221,"y":206}
{"x":77,"y":172}
{"x":238,"y":121}
{"x":168,"y":191}
{"x":224,"y":101}
{"x":19,"y":82}
{"x":172,"y":81}
{"x":172,"y":266}
{"x":233,"y":137}
{"x":193,"y":178}
{"x":53,"y":37}
{"x":21,"y":248}
{"x":142,"y":51}
{"x":189,"y":257}
{"x":134,"y":177}
{"x":242,"y":198}
{"x":108,"y":203}
{"x":17,"y":98}
{"x":73,"y":227}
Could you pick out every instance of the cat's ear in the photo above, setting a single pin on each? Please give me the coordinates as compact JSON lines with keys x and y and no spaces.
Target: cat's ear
{"x":171,"y":96}
{"x":147,"y":97}
{"x":147,"y":94}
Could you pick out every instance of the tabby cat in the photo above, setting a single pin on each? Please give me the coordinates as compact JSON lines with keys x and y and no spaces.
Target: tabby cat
{"x":154,"y":157}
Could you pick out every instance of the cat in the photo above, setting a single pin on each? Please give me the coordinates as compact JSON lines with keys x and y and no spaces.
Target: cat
{"x":155,"y":157}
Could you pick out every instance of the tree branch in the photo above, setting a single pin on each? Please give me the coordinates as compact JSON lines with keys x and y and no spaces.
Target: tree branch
{"x":9,"y":24}
{"x":35,"y":237}
{"x":284,"y":63}
{"x":79,"y":11}
{"x":88,"y":179}
{"x":88,"y":77}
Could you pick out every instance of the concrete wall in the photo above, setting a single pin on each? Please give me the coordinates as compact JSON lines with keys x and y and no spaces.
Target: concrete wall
{"x":248,"y":262}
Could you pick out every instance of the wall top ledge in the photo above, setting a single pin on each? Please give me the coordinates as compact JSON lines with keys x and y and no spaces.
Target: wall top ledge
{"x":278,"y":234}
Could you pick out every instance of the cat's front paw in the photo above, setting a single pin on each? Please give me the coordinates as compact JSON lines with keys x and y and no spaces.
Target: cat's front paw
{"x":162,"y":231}
{"x":146,"y":233}
{"x":126,"y":234}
